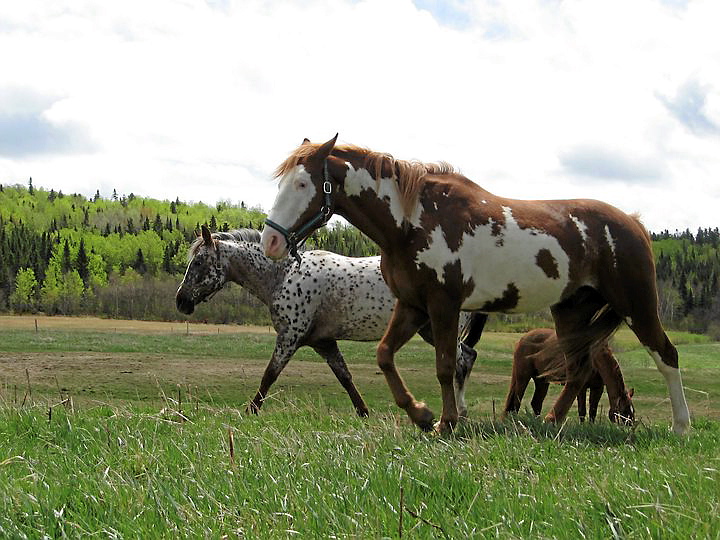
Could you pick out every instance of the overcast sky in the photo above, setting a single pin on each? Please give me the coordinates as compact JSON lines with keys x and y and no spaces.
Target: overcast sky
{"x":201,"y":100}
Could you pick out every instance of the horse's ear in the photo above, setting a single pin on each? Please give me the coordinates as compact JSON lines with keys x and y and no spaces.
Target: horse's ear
{"x":631,"y":392}
{"x":305,"y":141}
{"x":207,"y":237}
{"x":325,"y":148}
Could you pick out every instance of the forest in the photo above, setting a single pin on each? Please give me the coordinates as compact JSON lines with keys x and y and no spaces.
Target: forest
{"x":123,"y":256}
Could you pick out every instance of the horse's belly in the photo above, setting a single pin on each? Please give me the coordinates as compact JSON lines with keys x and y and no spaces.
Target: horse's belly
{"x":362,"y":319}
{"x":514,"y":296}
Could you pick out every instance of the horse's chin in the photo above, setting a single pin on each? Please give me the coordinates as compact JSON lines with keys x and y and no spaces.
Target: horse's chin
{"x":278,"y":256}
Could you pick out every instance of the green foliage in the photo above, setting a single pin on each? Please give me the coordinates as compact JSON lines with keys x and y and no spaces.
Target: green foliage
{"x":23,"y":297}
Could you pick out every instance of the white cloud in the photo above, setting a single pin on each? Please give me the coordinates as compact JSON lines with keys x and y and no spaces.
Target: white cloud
{"x":202,"y":100}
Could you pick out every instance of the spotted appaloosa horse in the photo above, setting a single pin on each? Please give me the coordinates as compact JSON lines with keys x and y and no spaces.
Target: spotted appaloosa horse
{"x":326,"y":298}
{"x":538,"y":357}
{"x":449,"y":245}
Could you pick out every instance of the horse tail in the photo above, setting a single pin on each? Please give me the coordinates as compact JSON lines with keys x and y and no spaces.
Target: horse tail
{"x":568,"y":358}
{"x":472,"y":331}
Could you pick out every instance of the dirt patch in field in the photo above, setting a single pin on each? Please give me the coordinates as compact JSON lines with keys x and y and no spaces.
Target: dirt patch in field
{"x":97,"y":324}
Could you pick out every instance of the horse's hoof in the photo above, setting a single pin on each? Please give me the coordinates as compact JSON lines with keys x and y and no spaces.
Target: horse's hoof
{"x":444,"y":427}
{"x":363,"y":413}
{"x":252,"y":409}
{"x":422,"y":416}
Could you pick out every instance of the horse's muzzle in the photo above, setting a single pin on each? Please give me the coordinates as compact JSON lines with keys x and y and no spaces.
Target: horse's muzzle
{"x":274,"y":243}
{"x":184,"y":304}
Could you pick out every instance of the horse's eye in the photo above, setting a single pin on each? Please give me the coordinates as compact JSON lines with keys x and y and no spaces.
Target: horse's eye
{"x":302,"y":185}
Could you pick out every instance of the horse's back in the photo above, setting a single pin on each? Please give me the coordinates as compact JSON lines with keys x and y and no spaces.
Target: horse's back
{"x":530,"y":345}
{"x":524,"y":255}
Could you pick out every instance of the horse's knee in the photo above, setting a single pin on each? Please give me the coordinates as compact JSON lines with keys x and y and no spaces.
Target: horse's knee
{"x":384,"y":357}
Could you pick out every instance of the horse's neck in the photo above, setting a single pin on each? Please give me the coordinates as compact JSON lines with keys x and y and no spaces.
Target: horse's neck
{"x":609,"y":370}
{"x":383,"y":222}
{"x":256,"y":273}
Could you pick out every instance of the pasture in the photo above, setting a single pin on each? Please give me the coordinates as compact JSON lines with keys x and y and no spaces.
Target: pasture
{"x":128,"y":429}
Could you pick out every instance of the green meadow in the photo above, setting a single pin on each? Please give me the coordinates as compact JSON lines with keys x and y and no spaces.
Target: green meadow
{"x":144,"y":434}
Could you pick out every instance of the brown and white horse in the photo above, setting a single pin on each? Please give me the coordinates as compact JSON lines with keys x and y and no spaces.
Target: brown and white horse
{"x":538,"y":357}
{"x":449,"y":245}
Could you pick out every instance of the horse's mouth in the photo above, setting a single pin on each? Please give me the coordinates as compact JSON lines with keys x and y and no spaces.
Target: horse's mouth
{"x":185,"y":305}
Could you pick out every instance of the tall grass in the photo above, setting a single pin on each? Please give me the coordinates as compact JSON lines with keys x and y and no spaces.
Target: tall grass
{"x":127,"y":472}
{"x":155,"y":462}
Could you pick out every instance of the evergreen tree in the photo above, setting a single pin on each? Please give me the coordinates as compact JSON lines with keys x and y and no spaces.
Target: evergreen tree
{"x":139,"y":265}
{"x":66,"y":259}
{"x":82,"y":263}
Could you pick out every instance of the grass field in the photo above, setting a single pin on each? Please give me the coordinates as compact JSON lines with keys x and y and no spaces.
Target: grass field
{"x":138,"y":430}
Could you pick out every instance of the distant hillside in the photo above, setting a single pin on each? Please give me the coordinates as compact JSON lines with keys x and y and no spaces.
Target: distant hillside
{"x":123,"y":256}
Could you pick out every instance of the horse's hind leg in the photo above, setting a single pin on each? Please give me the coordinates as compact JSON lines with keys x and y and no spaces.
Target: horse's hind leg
{"x":328,"y":349}
{"x":469,"y":336}
{"x":284,"y":349}
{"x":641,"y":315}
{"x":465,"y":360}
{"x":403,"y":324}
{"x":655,"y":340}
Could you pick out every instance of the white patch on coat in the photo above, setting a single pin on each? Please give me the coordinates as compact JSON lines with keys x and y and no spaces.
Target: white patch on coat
{"x":611,"y":242}
{"x":681,"y":413}
{"x":494,"y":265}
{"x":582,"y":228}
{"x":385,"y":189}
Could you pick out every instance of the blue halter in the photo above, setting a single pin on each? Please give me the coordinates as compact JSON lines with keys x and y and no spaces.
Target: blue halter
{"x":295,"y":238}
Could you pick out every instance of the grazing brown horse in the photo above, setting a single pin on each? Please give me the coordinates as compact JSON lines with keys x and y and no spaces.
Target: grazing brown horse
{"x":449,"y":245}
{"x":538,"y":357}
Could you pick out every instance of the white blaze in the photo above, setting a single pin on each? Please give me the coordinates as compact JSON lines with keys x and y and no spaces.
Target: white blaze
{"x":295,"y":193}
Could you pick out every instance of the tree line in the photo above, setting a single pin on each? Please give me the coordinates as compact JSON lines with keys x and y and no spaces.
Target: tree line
{"x":124,"y":256}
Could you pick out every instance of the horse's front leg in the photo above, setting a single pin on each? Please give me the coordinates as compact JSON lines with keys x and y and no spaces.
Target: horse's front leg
{"x":328,"y":349}
{"x":403,"y":324}
{"x":285,"y":347}
{"x":444,"y":317}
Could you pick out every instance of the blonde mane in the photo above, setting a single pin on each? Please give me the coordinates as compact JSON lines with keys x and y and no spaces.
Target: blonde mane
{"x":409,"y":175}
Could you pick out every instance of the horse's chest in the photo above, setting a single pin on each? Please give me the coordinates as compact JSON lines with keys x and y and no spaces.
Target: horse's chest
{"x":511,"y":270}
